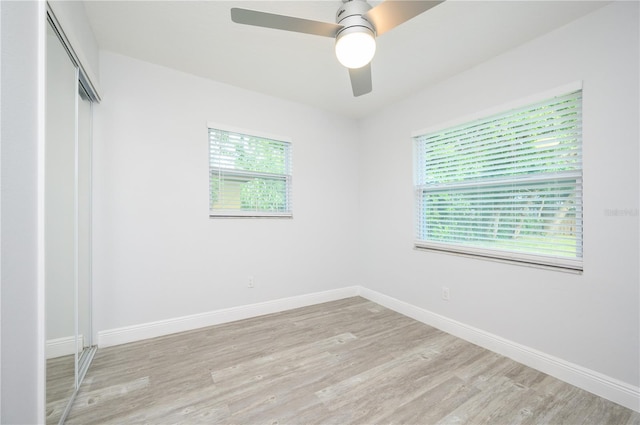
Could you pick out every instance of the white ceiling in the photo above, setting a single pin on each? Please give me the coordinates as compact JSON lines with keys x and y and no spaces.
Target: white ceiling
{"x":198,"y":37}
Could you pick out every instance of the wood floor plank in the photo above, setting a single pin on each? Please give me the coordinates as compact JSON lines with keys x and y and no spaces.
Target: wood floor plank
{"x":432,"y":405}
{"x":345,"y":362}
{"x":290,"y":355}
{"x":507,"y":402}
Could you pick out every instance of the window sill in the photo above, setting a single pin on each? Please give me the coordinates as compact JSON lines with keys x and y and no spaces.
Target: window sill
{"x":249,"y":215}
{"x":539,"y":262}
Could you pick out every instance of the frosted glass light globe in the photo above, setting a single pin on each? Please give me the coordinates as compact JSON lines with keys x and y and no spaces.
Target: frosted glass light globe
{"x":355,"y":49}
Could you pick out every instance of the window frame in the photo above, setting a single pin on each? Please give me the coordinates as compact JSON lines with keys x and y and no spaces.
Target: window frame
{"x":287,"y":177}
{"x":567,"y":264}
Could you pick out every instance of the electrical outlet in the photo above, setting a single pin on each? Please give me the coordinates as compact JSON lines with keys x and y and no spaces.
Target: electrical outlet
{"x":251,"y":282}
{"x":445,"y":293}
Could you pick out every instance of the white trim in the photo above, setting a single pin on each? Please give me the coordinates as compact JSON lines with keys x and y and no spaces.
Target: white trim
{"x":1,"y":218}
{"x":87,"y":76}
{"x":589,"y":380}
{"x":41,"y":375}
{"x":65,"y":346}
{"x":133,"y":333}
{"x":248,"y":132}
{"x":566,"y":265}
{"x":519,"y":103}
{"x":247,"y":214}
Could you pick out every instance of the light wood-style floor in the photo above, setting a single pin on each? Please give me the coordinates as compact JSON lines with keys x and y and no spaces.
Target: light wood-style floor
{"x":60,"y":386}
{"x":344,"y":362}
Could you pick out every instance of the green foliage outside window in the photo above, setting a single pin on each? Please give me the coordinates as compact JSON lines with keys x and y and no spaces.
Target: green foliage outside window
{"x":249,"y":173}
{"x":509,"y":182}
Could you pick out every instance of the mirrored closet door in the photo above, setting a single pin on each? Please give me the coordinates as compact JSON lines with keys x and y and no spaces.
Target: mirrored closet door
{"x":67,"y":212}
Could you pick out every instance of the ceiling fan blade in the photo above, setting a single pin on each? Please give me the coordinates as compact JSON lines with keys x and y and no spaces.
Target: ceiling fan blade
{"x":282,"y":22}
{"x":391,"y":13}
{"x":361,"y":80}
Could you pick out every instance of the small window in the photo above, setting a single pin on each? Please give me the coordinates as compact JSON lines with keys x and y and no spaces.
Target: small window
{"x":249,"y":176}
{"x":508,"y":186}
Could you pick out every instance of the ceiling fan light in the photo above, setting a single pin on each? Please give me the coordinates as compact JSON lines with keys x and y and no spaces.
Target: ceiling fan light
{"x":355,"y":47}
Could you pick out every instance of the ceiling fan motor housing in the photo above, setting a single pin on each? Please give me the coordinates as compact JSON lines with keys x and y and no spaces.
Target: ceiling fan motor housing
{"x":350,"y":16}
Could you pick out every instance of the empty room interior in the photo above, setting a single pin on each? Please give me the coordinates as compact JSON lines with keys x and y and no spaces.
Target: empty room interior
{"x":214,"y":212}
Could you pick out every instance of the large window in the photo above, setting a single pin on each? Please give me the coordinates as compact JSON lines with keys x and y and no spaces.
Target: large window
{"x":249,"y":176}
{"x":508,"y":186}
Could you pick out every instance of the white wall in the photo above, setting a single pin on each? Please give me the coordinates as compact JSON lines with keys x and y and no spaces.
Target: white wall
{"x":157,"y":255}
{"x":591,"y":319}
{"x":22,"y":374}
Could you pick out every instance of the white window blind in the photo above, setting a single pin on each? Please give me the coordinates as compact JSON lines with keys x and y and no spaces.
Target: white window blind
{"x":248,"y":175}
{"x":508,"y":186}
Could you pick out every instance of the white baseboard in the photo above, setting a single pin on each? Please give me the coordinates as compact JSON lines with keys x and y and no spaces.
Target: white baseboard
{"x":58,"y":347}
{"x":589,"y":380}
{"x":186,"y":323}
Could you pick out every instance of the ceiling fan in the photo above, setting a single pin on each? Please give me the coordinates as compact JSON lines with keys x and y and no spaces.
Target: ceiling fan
{"x":357,"y":25}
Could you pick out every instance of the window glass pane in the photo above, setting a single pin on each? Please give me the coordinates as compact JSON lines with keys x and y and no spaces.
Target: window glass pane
{"x":248,"y":174}
{"x":540,"y":218}
{"x":509,"y":183}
